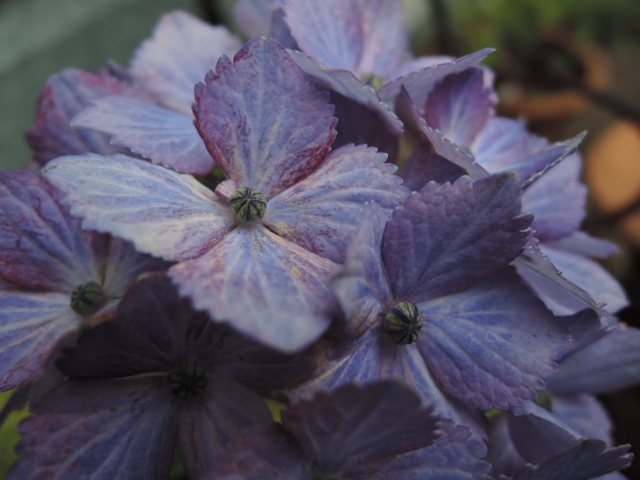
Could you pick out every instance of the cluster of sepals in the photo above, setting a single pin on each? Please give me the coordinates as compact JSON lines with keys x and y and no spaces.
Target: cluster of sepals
{"x":271,"y":251}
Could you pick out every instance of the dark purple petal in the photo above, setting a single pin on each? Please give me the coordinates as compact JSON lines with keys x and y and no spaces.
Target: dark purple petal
{"x":182,"y":50}
{"x":424,"y":166}
{"x":164,"y":136}
{"x":208,"y":425}
{"x":263,"y":122}
{"x":41,"y":246}
{"x":448,"y":237}
{"x":585,"y":414}
{"x":65,"y":95}
{"x":354,"y":425}
{"x":459,"y":106}
{"x":31,"y":324}
{"x":162,"y":212}
{"x":123,"y":429}
{"x":420,"y":82}
{"x":347,"y":84}
{"x":266,"y":287}
{"x":611,"y":363}
{"x":491,"y":345}
{"x":320,"y":212}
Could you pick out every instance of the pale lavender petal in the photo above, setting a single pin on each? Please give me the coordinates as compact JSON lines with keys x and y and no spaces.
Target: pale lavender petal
{"x":582,"y":243}
{"x":254,"y":16}
{"x":420,"y":63}
{"x":347,"y":84}
{"x":492,"y":345}
{"x":182,"y":50}
{"x":41,"y":246}
{"x":419,"y":83}
{"x":123,"y":429}
{"x":448,"y":237}
{"x":264,"y":286}
{"x":362,"y":285}
{"x":31,"y":324}
{"x":589,"y":275}
{"x":160,"y":211}
{"x":586,"y":415}
{"x":263,"y":122}
{"x":164,"y":136}
{"x":557,"y":199}
{"x":611,"y":363}
{"x":320,"y":213}
{"x":459,"y":105}
{"x":207,"y":427}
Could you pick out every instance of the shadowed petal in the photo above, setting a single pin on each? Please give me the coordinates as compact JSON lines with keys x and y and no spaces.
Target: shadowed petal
{"x":164,"y":136}
{"x":320,"y":212}
{"x":162,"y":212}
{"x":448,"y":237}
{"x":264,"y":286}
{"x":121,"y":429}
{"x":491,"y":345}
{"x":263,"y":122}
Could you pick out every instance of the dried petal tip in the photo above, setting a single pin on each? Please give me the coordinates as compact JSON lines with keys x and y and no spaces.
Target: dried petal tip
{"x":188,"y":380}
{"x":403,"y":323}
{"x":248,"y":205}
{"x":88,"y":298}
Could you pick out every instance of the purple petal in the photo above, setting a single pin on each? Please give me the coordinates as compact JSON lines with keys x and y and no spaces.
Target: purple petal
{"x":251,"y":277}
{"x":459,"y":106}
{"x":354,"y":425}
{"x":207,"y":428}
{"x":320,"y":212}
{"x":611,"y":363}
{"x":99,"y":429}
{"x":162,"y":212}
{"x":41,"y":246}
{"x":584,"y":244}
{"x":448,"y":237}
{"x":164,"y":136}
{"x":347,"y":84}
{"x":65,"y":95}
{"x":254,"y":16}
{"x":182,"y":50}
{"x":266,"y":126}
{"x":424,"y":166}
{"x":491,"y":345}
{"x":31,"y":324}
{"x":586,"y":415}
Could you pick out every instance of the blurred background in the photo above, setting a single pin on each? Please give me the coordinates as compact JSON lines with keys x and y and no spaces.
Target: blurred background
{"x":566,"y":66}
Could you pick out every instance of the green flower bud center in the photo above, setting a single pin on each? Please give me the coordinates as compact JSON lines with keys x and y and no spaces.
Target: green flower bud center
{"x":374,"y":81}
{"x":248,"y":205}
{"x":545,"y":400}
{"x":403,"y":323}
{"x":188,"y":380}
{"x":88,"y":298}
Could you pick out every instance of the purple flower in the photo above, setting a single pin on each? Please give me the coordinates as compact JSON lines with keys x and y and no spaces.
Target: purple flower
{"x":62,"y":278}
{"x":257,"y":252}
{"x":157,"y":376}
{"x":378,"y":431}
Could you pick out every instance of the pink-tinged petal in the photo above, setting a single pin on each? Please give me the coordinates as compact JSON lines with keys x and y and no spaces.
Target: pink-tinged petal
{"x":164,"y":136}
{"x":342,"y":429}
{"x":31,"y":324}
{"x":347,"y":84}
{"x":611,"y":363}
{"x":65,"y":95}
{"x":209,"y":425}
{"x":456,"y":455}
{"x":264,"y":286}
{"x":320,"y":213}
{"x":459,"y":105}
{"x":558,"y":293}
{"x":362,"y":285}
{"x":420,"y":82}
{"x":41,"y":246}
{"x":182,"y":50}
{"x":492,"y":345}
{"x":263,"y":122}
{"x":160,"y":211}
{"x":123,"y":429}
{"x":448,"y":237}
{"x":331,"y":31}
{"x":589,"y":275}
{"x":424,"y":166}
{"x":557,"y":199}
